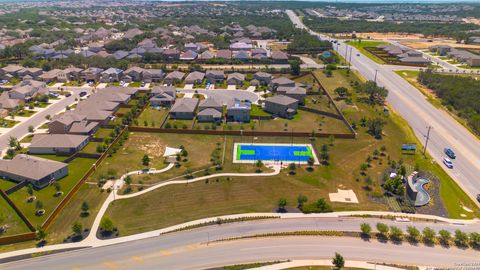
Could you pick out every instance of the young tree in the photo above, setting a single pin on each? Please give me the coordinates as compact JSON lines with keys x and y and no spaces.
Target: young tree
{"x":128,"y":180}
{"x":38,"y":205}
{"x":85,"y":208}
{"x":324,"y":155}
{"x":259,"y":165}
{"x":292,"y":167}
{"x":474,"y":240}
{"x":301,"y":200}
{"x":375,"y":127}
{"x":145,"y":160}
{"x":323,"y":206}
{"x":445,"y":236}
{"x":282,"y":202}
{"x":396,"y":233}
{"x":428,"y":235}
{"x":338,"y":261}
{"x":461,"y":238}
{"x":57,"y":187}
{"x":40,"y":234}
{"x":106,"y":224}
{"x":382,"y":228}
{"x":12,"y":142}
{"x":413,"y":233}
{"x":342,"y":92}
{"x":30,"y":190}
{"x":30,"y":129}
{"x":365,"y":228}
{"x":77,"y":228}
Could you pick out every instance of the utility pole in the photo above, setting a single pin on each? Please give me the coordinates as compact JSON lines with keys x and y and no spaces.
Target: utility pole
{"x":426,"y":142}
{"x":350,"y":59}
{"x":375,"y":79}
{"x":346,"y":51}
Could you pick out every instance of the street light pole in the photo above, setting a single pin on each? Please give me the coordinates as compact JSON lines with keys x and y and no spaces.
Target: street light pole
{"x":375,"y":79}
{"x":426,"y":142}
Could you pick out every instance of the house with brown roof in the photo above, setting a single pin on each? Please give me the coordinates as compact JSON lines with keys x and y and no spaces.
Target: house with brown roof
{"x":91,"y":74}
{"x":279,"y":57}
{"x":58,"y":144}
{"x":35,"y":170}
{"x":69,"y":74}
{"x":224,"y":54}
{"x":50,"y":76}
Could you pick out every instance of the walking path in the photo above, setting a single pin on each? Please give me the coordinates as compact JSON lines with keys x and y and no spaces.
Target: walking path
{"x":306,"y":263}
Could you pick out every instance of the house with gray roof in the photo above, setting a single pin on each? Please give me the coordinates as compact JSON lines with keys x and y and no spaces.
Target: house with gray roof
{"x":239,"y":111}
{"x":281,"y":81}
{"x":69,"y":74}
{"x":209,"y":115}
{"x":37,"y":171}
{"x":188,"y":56}
{"x":263,"y":78}
{"x":215,"y":76}
{"x":184,"y":108}
{"x":72,"y":122}
{"x":119,"y":54}
{"x":111,"y":75}
{"x":174,"y":77}
{"x":235,"y":78}
{"x":163,"y":96}
{"x":136,"y":73}
{"x":91,"y":74}
{"x":195,"y":77}
{"x":295,"y":92}
{"x":153,"y":75}
{"x":211,"y":102}
{"x":281,"y":105}
{"x":279,"y":57}
{"x":206,"y":55}
{"x":58,"y":144}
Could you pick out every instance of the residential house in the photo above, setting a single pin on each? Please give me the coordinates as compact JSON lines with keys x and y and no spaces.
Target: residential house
{"x":7,"y":103}
{"x":153,"y":75}
{"x":171,"y":54}
{"x":58,"y":144}
{"x":11,"y":70}
{"x":118,"y":55}
{"x":281,"y":81}
{"x":205,"y":56}
{"x":192,"y":47}
{"x":39,"y":172}
{"x":111,"y":75}
{"x":211,"y":102}
{"x":26,"y":89}
{"x":34,"y":73}
{"x":262,"y":77}
{"x":224,"y":54}
{"x":136,"y":73}
{"x":239,"y":111}
{"x":69,"y":74}
{"x":281,"y":105}
{"x":240,"y":46}
{"x":295,"y":92}
{"x":50,"y":76}
{"x":184,"y":108}
{"x":195,"y":77}
{"x":163,"y":96}
{"x":209,"y":115}
{"x":91,"y":74}
{"x":188,"y":56}
{"x":235,"y":78}
{"x":72,"y":122}
{"x":215,"y":76}
{"x":174,"y":77}
{"x":279,"y":57}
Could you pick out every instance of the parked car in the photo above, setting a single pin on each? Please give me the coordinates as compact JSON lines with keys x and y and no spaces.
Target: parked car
{"x":478,"y":197}
{"x":449,"y":152}
{"x":358,"y":54}
{"x":448,"y":163}
{"x":68,"y":94}
{"x":82,"y":94}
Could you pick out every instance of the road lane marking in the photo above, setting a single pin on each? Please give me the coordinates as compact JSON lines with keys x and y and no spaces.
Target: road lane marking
{"x":165,"y":252}
{"x":137,"y":259}
{"x":110,"y":265}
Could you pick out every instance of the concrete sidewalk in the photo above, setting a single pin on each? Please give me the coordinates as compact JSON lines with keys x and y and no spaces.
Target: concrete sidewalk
{"x":305,"y":263}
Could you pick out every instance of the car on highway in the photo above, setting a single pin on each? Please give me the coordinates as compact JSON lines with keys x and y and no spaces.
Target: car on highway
{"x":449,"y":152}
{"x":82,"y":94}
{"x":448,"y":163}
{"x":68,"y":94}
{"x":478,"y":197}
{"x":358,"y":54}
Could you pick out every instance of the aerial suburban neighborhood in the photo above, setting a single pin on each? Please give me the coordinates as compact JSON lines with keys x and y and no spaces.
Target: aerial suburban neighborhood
{"x":239,"y":135}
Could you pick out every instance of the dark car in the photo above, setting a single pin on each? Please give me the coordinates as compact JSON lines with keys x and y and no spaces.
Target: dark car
{"x":82,"y":94}
{"x":449,"y":152}
{"x":478,"y":197}
{"x":68,"y":94}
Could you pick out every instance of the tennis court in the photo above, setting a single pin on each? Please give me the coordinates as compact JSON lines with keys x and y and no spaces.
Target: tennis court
{"x":273,"y":153}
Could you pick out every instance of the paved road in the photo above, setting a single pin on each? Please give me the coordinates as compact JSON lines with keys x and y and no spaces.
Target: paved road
{"x":419,"y":113}
{"x":189,"y":249}
{"x":38,"y":118}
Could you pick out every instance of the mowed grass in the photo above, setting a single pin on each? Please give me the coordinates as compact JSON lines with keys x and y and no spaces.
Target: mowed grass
{"x":152,"y":117}
{"x":9,"y":217}
{"x":61,"y":227}
{"x":361,"y":47}
{"x":76,"y":169}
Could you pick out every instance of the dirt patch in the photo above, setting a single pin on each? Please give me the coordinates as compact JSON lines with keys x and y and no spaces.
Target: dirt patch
{"x":426,"y":45}
{"x":390,"y":35}
{"x":152,"y":146}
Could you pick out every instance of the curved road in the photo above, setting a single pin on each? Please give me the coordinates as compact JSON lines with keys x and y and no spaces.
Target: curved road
{"x":193,"y":249}
{"x":419,"y":113}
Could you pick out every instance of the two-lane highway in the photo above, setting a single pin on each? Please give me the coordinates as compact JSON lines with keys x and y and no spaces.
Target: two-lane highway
{"x":420,"y":114}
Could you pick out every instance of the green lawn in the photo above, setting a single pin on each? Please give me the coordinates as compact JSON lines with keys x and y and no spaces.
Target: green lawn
{"x":135,"y":84}
{"x":469,"y":67}
{"x":364,"y":43}
{"x":103,"y":133}
{"x":152,"y":116}
{"x":178,"y":124}
{"x":9,"y":217}
{"x":73,"y":83}
{"x":5,"y":123}
{"x":123,"y":111}
{"x":27,"y":139}
{"x":77,"y":169}
{"x":91,"y":147}
{"x":25,"y":113}
{"x":258,"y":111}
{"x":51,"y":157}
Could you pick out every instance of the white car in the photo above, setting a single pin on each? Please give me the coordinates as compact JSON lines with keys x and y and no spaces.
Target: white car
{"x":448,"y":163}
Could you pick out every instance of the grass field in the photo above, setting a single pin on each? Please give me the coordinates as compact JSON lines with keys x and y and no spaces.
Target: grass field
{"x":77,"y":169}
{"x":103,"y":133}
{"x":9,"y":217}
{"x":153,"y":117}
{"x":91,"y":147}
{"x":361,"y":47}
{"x":178,"y":124}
